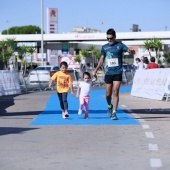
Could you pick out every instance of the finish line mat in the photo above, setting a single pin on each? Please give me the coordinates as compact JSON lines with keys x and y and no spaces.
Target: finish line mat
{"x":97,"y":112}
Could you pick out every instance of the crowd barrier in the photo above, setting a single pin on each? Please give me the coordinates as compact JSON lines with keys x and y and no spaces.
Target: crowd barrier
{"x":152,"y":84}
{"x":9,"y":83}
{"x":13,"y":82}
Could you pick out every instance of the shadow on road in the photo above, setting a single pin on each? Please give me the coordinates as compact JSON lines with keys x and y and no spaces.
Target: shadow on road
{"x":13,"y":130}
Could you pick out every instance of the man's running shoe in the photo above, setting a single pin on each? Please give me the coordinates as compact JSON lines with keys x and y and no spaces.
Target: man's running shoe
{"x":110,"y":110}
{"x":114,"y":117}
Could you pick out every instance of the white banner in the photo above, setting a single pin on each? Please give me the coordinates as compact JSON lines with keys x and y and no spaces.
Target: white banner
{"x":9,"y":83}
{"x":151,"y":83}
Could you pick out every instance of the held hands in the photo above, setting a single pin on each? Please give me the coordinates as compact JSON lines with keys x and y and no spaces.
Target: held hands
{"x":131,"y":51}
{"x":94,"y":78}
{"x":49,"y":85}
{"x":72,"y":92}
{"x":94,"y":72}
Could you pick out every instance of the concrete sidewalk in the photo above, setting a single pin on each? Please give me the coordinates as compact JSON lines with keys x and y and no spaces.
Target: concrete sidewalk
{"x":25,"y":147}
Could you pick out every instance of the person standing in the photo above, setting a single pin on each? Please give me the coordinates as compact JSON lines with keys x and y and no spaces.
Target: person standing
{"x":83,"y":93}
{"x":63,"y":83}
{"x":152,"y":64}
{"x":145,"y":62}
{"x":111,"y":54}
{"x":140,"y":65}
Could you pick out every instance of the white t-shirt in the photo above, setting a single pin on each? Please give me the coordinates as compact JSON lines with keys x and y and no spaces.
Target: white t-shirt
{"x":140,"y":66}
{"x":85,"y":88}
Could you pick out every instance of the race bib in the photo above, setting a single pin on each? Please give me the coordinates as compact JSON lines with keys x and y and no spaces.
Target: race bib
{"x":112,"y":62}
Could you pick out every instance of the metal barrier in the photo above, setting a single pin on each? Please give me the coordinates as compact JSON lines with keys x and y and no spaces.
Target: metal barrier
{"x":76,"y":74}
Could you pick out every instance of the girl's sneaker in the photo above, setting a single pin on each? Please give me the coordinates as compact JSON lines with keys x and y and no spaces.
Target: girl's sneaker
{"x":66,"y":114}
{"x":86,"y":116}
{"x":80,"y":111}
{"x":63,"y":115}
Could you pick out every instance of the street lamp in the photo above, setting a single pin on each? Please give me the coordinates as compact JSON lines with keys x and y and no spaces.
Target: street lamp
{"x":42,"y":26}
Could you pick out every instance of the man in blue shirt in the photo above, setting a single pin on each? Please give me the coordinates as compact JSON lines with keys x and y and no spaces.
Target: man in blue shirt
{"x":111,"y":57}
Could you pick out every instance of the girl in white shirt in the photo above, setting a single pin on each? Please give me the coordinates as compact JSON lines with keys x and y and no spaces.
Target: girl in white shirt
{"x":83,"y":93}
{"x":140,"y":65}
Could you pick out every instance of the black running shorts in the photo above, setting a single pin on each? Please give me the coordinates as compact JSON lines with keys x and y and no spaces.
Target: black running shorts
{"x":110,"y":78}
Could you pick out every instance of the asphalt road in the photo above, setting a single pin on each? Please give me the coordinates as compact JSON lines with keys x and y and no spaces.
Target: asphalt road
{"x":119,"y":147}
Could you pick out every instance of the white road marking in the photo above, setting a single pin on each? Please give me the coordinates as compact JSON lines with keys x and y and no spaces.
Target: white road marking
{"x":153,"y":147}
{"x":123,"y":105}
{"x":141,"y":120}
{"x":154,"y":162}
{"x":134,"y":114}
{"x":137,"y":116}
{"x":129,"y":110}
{"x":149,"y":134}
{"x":145,"y":126}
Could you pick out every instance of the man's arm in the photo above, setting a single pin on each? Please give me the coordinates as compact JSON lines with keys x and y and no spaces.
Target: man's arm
{"x":131,"y":51}
{"x":101,"y":61}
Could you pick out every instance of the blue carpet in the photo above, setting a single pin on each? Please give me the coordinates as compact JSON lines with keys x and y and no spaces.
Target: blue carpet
{"x":97,"y":113}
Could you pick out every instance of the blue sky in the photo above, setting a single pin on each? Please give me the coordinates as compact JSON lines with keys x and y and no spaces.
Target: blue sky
{"x":150,"y":15}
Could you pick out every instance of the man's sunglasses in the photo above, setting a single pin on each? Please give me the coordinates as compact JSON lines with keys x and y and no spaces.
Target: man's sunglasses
{"x":110,"y":38}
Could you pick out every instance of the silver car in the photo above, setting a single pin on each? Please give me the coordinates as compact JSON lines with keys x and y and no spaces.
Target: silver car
{"x":41,"y":74}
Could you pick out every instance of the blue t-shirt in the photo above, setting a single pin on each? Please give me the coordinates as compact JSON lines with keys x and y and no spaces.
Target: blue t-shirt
{"x":113,"y":57}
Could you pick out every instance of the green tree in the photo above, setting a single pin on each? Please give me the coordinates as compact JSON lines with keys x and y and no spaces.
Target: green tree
{"x":147,"y":46}
{"x":156,"y":44}
{"x":29,"y":29}
{"x":153,"y":44}
{"x":7,"y":47}
{"x":92,"y":48}
{"x":97,"y":54}
{"x":84,"y":53}
{"x":166,"y":59}
{"x":31,"y":50}
{"x":21,"y":55}
{"x":77,"y":59}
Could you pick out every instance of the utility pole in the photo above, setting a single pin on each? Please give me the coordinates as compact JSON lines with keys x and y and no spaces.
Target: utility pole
{"x":42,"y":34}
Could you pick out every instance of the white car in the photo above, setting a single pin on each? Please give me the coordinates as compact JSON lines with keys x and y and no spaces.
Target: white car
{"x":41,"y":74}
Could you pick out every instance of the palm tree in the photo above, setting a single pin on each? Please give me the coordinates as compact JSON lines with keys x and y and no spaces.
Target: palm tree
{"x":77,"y":59}
{"x":22,"y":52}
{"x":31,"y":50}
{"x":153,"y":44}
{"x":97,"y":54}
{"x":92,"y":48}
{"x":156,"y":44}
{"x":147,"y":45}
{"x":84,"y":53}
{"x":7,"y":50}
{"x":166,"y":56}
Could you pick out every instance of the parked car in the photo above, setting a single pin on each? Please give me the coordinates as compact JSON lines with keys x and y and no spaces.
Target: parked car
{"x":41,"y":74}
{"x":74,"y":74}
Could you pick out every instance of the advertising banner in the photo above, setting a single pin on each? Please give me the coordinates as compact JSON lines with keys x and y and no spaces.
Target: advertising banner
{"x":151,"y":83}
{"x":70,"y":61}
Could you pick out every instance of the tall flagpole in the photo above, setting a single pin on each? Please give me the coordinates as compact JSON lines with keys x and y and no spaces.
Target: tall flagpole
{"x":42,"y":28}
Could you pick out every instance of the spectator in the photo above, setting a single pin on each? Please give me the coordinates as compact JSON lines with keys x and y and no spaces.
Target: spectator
{"x":145,"y":62}
{"x":140,"y":65}
{"x":152,"y":64}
